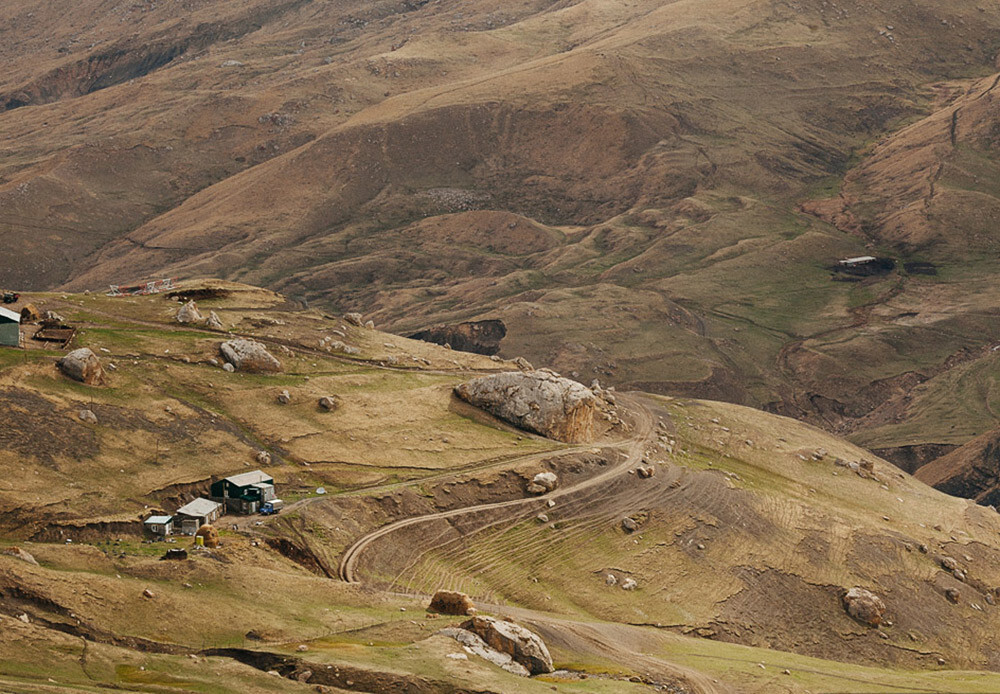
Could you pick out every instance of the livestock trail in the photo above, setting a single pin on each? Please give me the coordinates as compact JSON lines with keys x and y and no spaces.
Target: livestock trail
{"x":635,"y":448}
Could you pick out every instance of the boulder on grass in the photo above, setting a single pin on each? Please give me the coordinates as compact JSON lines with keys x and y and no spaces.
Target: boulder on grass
{"x":82,"y":365}
{"x":188,"y":313}
{"x":250,"y":356}
{"x":19,"y":553}
{"x":539,"y":401}
{"x":524,"y":646}
{"x":452,"y":602}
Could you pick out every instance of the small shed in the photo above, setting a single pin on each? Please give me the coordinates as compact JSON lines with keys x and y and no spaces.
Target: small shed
{"x":197,"y":513}
{"x":10,"y":328}
{"x":159,"y":525}
{"x":244,"y":493}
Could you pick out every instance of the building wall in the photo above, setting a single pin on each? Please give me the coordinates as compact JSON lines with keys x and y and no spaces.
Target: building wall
{"x":10,"y":334}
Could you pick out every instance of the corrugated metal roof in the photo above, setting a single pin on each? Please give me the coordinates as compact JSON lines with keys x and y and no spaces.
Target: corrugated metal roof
{"x":199,"y":507}
{"x":159,"y":520}
{"x":245,"y":479}
{"x":10,"y":315}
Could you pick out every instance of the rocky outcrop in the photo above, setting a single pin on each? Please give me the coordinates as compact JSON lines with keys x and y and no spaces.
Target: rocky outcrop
{"x":250,"y":356}
{"x":864,"y":607}
{"x":524,"y":646}
{"x":214,"y":322}
{"x":188,"y":313}
{"x":82,"y":365}
{"x":478,"y":337}
{"x":452,"y":602}
{"x":538,"y":401}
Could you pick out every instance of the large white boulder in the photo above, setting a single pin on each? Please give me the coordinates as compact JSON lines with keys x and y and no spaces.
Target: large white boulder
{"x":538,"y":401}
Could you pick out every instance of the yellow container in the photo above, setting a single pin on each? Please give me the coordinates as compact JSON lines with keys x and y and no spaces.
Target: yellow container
{"x":199,"y":540}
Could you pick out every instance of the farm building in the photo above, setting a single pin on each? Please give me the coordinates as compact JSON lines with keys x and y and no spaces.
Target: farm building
{"x":244,"y":493}
{"x":10,"y":328}
{"x":159,"y":525}
{"x":199,"y":512}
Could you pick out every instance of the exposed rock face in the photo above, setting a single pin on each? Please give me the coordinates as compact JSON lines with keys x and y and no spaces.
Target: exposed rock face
{"x":475,"y":644}
{"x":452,"y":602}
{"x":250,"y":356}
{"x":478,"y":337}
{"x":864,"y":606}
{"x":522,"y":645}
{"x":188,"y":313}
{"x":82,"y":365}
{"x":538,"y":401}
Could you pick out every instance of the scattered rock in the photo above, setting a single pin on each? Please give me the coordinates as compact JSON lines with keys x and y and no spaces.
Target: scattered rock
{"x":263,"y":458}
{"x":864,"y":606}
{"x":354,"y":319}
{"x":948,"y":563}
{"x":302,"y":648}
{"x":19,"y":553}
{"x":87,"y":416}
{"x":53,"y":318}
{"x":250,"y":356}
{"x":629,"y":584}
{"x":524,"y":646}
{"x":214,"y":321}
{"x":284,"y":397}
{"x":542,"y":518}
{"x":547,"y":480}
{"x":147,"y":593}
{"x":82,"y":365}
{"x":629,"y":525}
{"x":953,"y":595}
{"x":538,"y":401}
{"x":370,"y":325}
{"x":329,"y":402}
{"x":452,"y":602}
{"x":231,"y":63}
{"x":535,"y":489}
{"x":610,"y":580}
{"x":228,"y":368}
{"x":523,"y":364}
{"x":188,"y":313}
{"x":645,"y":471}
{"x":24,"y":618}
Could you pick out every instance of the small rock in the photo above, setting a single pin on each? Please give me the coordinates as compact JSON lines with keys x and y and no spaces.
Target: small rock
{"x":370,"y":325}
{"x":953,"y":595}
{"x":302,"y":648}
{"x":548,"y":480}
{"x":948,"y":563}
{"x":629,"y":584}
{"x":24,"y":618}
{"x":263,"y":458}
{"x":214,"y":321}
{"x":645,"y":471}
{"x":188,"y":313}
{"x":87,"y":416}
{"x":147,"y":593}
{"x":629,"y":525}
{"x":228,"y":367}
{"x":284,"y":397}
{"x":329,"y":402}
{"x":610,"y":580}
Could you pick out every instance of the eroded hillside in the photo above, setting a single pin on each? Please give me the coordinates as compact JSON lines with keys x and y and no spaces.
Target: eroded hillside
{"x":691,"y":546}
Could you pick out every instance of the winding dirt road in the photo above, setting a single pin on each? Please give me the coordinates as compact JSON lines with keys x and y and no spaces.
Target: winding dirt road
{"x":634,"y":447}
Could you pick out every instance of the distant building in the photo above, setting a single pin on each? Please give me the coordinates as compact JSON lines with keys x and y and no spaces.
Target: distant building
{"x":244,"y":493}
{"x":10,"y":328}
{"x":159,"y":525}
{"x":199,"y":512}
{"x":859,"y":260}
